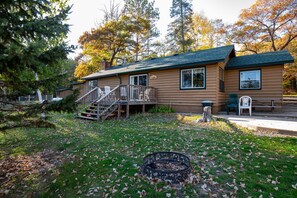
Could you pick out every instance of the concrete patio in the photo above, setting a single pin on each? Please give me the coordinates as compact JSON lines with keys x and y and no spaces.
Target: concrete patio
{"x":270,"y":123}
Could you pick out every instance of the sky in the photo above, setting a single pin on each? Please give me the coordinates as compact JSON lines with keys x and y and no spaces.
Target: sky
{"x":87,"y":14}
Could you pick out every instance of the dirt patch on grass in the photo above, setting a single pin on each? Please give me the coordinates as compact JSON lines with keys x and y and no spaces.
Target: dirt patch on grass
{"x":27,"y":173}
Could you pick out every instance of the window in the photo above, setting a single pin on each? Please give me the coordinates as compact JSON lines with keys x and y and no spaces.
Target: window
{"x":250,"y":79}
{"x":93,"y":84}
{"x":137,"y":80}
{"x":222,"y":81}
{"x":140,"y":79}
{"x":193,"y":78}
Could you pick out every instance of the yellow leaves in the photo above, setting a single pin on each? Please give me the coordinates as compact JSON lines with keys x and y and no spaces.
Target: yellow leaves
{"x":84,"y":69}
{"x":265,"y":25}
{"x":206,"y":33}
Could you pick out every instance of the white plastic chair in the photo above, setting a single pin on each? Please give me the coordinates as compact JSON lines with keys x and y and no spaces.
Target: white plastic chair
{"x":123,"y":93}
{"x":106,"y":90}
{"x":245,"y":102}
{"x":100,"y":93}
{"x":146,"y":94}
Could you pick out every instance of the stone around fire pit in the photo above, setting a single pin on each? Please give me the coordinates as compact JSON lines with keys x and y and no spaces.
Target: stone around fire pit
{"x":167,"y":166}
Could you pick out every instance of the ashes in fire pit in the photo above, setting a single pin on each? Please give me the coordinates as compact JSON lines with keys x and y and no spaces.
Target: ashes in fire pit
{"x":168,"y":166}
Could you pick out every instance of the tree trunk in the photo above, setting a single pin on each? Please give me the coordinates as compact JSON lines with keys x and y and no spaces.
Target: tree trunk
{"x":206,"y":116}
{"x":38,"y":90}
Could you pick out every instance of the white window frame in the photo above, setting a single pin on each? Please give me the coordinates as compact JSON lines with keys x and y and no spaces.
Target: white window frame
{"x":260,"y":80}
{"x":138,"y":78}
{"x":192,"y":72}
{"x":91,"y":84}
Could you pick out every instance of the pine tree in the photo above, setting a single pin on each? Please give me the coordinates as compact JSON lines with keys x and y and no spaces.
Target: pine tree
{"x":181,"y":11}
{"x":31,"y":42}
{"x":32,"y":56}
{"x":143,"y":15}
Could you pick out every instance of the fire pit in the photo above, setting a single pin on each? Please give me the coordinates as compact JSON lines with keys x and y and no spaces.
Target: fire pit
{"x":167,"y":166}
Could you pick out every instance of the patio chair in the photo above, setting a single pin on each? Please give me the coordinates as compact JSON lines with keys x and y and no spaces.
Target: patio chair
{"x":106,"y":90}
{"x":146,"y":94}
{"x":123,"y":93}
{"x":232,"y":103}
{"x":245,"y":102}
{"x":100,"y":93}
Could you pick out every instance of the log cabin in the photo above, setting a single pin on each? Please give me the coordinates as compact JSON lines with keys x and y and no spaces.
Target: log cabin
{"x":184,"y":81}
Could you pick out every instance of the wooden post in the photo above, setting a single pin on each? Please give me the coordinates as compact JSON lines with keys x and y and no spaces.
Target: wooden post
{"x":127,"y":110}
{"x":128,"y":100}
{"x":143,"y":108}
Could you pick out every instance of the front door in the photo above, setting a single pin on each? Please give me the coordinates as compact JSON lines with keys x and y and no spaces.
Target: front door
{"x":138,"y":81}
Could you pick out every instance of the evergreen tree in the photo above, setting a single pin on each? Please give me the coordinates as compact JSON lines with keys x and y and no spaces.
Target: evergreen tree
{"x":178,"y":38}
{"x":33,"y":55}
{"x":143,"y":15}
{"x":31,"y":43}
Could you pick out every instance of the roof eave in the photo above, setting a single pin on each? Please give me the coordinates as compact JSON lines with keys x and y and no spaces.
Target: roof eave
{"x":260,"y":65}
{"x":161,"y":68}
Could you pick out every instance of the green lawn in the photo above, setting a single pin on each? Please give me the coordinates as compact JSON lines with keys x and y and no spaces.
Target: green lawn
{"x":97,"y":159}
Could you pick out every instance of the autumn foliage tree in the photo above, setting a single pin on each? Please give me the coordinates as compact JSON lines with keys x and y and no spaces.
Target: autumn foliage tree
{"x":123,"y":35}
{"x":105,"y":42}
{"x":268,"y":25}
{"x":206,"y":33}
{"x":290,"y":71}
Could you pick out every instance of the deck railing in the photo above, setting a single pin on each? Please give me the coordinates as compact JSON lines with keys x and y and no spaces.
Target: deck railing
{"x":105,"y":102}
{"x":137,"y":93}
{"x":128,"y":93}
{"x":111,"y":97}
{"x":88,"y":98}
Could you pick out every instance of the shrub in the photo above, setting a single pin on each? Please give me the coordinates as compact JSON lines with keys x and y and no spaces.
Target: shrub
{"x":1,"y":116}
{"x":161,"y":109}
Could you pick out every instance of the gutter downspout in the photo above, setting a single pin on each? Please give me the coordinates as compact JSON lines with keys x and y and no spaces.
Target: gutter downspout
{"x":120,"y":78}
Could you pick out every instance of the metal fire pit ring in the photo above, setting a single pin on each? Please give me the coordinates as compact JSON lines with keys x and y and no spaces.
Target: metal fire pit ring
{"x":167,"y":166}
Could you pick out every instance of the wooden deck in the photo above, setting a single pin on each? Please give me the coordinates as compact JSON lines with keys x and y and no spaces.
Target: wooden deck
{"x":135,"y":102}
{"x":99,"y":103}
{"x":131,"y":95}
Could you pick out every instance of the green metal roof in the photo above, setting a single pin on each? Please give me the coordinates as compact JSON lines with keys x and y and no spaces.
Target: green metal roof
{"x":76,"y":83}
{"x":63,"y":89}
{"x":257,"y":60}
{"x":200,"y":57}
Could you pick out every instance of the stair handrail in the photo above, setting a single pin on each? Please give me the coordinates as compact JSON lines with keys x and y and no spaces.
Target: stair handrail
{"x":113,"y":90}
{"x":85,"y":95}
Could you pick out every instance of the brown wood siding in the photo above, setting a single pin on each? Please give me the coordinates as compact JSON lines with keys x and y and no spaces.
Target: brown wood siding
{"x":86,"y":88}
{"x":125,"y":79}
{"x":221,"y":95}
{"x":167,"y":84}
{"x":169,"y":93}
{"x":271,"y":83}
{"x":64,"y":93}
{"x":82,"y":88}
{"x":112,"y":81}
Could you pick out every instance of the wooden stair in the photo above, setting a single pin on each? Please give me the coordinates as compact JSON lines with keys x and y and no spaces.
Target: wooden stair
{"x":101,"y":108}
